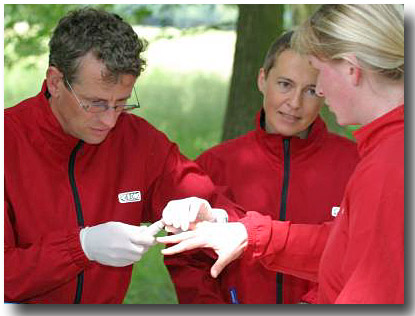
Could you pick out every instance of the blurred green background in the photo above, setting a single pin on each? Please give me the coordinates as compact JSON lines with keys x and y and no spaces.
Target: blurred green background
{"x":183,"y":91}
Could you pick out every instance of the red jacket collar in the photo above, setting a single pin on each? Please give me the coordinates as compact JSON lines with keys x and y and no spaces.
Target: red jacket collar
{"x":50,"y":128}
{"x":274,"y":142}
{"x":368,"y":136}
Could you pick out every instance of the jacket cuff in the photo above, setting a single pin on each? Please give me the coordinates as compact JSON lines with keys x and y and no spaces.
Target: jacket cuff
{"x":75,"y":249}
{"x":253,"y":222}
{"x":265,"y":236}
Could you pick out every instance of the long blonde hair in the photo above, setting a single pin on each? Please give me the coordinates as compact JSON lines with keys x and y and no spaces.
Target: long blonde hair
{"x":373,"y":33}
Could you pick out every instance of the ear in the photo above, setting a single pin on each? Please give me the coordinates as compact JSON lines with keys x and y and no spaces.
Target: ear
{"x":356,"y":74}
{"x":261,"y":80}
{"x":354,"y":70}
{"x":53,"y":80}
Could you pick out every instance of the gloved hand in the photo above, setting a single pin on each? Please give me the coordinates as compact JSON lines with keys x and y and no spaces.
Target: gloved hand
{"x":117,"y":244}
{"x":180,"y":215}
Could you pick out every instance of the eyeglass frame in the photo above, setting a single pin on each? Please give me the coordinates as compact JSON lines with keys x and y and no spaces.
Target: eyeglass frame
{"x":106,"y":107}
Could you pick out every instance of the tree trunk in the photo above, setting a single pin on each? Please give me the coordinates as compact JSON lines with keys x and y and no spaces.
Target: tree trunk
{"x":258,"y":25}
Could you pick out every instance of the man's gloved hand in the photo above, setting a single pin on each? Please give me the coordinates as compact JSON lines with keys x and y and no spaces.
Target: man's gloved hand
{"x":180,"y":215}
{"x":117,"y":244}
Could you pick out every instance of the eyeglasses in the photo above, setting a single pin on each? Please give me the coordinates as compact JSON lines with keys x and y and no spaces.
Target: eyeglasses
{"x":98,"y":107}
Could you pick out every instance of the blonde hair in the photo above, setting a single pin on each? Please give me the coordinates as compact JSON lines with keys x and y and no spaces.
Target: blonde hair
{"x":373,"y":33}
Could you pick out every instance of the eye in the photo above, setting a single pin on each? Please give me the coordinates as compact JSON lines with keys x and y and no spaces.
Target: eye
{"x":98,"y":102}
{"x":284,"y":86}
{"x":311,"y":92}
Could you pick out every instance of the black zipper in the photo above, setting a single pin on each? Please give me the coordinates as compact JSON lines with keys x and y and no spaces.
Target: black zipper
{"x":283,"y":208}
{"x":79,"y":215}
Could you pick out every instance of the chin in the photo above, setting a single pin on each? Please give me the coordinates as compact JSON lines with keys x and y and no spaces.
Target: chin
{"x":93,"y":141}
{"x":342,"y":122}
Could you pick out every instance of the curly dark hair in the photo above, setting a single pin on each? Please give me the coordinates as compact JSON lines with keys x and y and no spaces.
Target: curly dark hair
{"x":106,"y":35}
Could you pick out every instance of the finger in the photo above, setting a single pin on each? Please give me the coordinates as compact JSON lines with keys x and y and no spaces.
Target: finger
{"x":171,"y":229}
{"x":184,"y":218}
{"x":194,"y":209}
{"x":136,"y":256}
{"x":155,"y":228}
{"x":185,"y":245}
{"x":219,"y":265}
{"x":143,"y":238}
{"x":174,"y":239}
{"x":137,"y":249}
{"x":179,"y":213}
{"x":167,"y":214}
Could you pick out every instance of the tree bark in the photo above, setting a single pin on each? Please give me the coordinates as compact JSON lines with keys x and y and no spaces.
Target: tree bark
{"x":258,"y":25}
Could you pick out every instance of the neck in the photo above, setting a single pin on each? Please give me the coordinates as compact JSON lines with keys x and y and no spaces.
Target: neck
{"x":381,"y":99}
{"x":304,"y":134}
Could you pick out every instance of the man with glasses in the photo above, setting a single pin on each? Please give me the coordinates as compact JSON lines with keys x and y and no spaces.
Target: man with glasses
{"x":81,"y":174}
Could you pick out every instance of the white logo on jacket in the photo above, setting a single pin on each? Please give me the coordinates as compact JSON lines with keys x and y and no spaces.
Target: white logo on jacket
{"x":335,"y":210}
{"x":129,"y":197}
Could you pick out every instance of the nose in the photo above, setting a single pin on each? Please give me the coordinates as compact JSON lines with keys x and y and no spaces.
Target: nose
{"x":296,"y":99}
{"x":109,"y":118}
{"x":319,"y":90}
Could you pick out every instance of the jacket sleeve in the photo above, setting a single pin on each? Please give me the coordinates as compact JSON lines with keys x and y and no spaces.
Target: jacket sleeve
{"x":281,"y":246}
{"x":34,"y":269}
{"x":190,"y":272}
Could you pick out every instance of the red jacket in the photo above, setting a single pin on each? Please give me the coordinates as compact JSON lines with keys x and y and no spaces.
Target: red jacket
{"x":297,"y":180}
{"x":55,"y":184}
{"x":360,"y":259}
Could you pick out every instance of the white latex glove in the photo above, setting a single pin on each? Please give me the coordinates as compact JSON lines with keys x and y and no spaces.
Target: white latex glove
{"x":117,"y":244}
{"x":228,"y":240}
{"x":179,"y":215}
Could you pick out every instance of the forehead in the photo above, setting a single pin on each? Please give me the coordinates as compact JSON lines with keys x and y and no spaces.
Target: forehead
{"x":93,"y":75}
{"x":318,"y":63}
{"x":90,"y":70}
{"x":292,"y":65}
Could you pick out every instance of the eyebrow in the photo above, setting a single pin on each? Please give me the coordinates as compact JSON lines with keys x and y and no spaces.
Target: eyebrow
{"x":285,"y":78}
{"x":292,"y":81}
{"x":98,"y":99}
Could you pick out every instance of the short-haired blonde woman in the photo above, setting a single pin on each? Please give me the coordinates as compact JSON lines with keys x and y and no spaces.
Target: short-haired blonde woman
{"x":359,"y":52}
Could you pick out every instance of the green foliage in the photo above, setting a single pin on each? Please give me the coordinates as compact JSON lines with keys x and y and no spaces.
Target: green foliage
{"x":189,"y":108}
{"x":27,"y":28}
{"x":22,"y":81}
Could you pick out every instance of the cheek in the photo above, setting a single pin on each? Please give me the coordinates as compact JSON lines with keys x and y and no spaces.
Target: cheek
{"x":272,"y":99}
{"x":82,"y":121}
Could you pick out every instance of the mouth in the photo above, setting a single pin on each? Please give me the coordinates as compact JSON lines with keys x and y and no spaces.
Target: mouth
{"x":100,"y":131}
{"x":289,"y":117}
